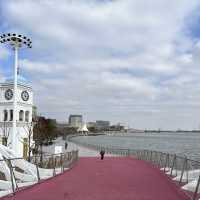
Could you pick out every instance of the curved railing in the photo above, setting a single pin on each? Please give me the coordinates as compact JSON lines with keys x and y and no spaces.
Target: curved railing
{"x":13,"y":174}
{"x":184,"y":171}
{"x":62,"y":160}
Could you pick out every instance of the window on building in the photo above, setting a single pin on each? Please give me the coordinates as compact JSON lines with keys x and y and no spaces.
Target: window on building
{"x":5,"y":115}
{"x":27,"y":116}
{"x":11,"y":115}
{"x":21,"y":115}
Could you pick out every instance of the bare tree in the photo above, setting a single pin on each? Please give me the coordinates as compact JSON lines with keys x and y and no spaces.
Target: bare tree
{"x":6,"y":132}
{"x":39,"y":135}
{"x":29,"y":133}
{"x":44,"y":132}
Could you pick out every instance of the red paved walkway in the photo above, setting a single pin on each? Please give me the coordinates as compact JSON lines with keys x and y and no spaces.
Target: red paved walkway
{"x":110,"y":179}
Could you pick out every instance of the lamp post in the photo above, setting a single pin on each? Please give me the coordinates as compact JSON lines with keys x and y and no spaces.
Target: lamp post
{"x":16,"y":42}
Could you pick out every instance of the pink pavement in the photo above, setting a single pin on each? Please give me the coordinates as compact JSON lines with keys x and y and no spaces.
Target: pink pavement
{"x":114,"y":178}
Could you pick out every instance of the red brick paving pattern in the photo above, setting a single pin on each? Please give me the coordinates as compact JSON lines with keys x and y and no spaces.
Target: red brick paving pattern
{"x":114,"y":178}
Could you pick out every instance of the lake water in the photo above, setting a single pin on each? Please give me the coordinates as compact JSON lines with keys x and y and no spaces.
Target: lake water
{"x":180,"y":143}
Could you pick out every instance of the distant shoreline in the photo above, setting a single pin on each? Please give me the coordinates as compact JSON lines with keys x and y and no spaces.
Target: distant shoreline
{"x":169,"y":131}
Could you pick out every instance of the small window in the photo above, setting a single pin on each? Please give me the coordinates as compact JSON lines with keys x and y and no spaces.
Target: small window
{"x":11,"y":115}
{"x":27,"y":116}
{"x":5,"y":115}
{"x":21,"y":115}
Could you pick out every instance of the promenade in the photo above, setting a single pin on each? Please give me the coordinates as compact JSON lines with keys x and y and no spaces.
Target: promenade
{"x":83,"y":151}
{"x":114,"y":178}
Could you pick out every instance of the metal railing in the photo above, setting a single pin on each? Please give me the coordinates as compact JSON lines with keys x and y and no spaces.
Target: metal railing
{"x":55,"y":160}
{"x":13,"y":174}
{"x":184,"y":171}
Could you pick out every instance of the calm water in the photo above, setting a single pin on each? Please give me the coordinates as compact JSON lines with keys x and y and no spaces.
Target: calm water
{"x":180,"y":143}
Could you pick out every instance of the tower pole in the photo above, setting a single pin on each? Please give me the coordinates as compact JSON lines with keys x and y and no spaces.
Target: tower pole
{"x":14,"y":133}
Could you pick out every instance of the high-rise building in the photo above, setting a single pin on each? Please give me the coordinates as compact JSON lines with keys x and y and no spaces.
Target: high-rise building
{"x":75,"y":121}
{"x":102,"y":125}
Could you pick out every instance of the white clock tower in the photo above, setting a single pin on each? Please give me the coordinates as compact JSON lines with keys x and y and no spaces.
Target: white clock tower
{"x":24,"y":105}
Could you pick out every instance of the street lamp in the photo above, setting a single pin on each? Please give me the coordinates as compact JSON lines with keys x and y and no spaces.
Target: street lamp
{"x":16,"y":42}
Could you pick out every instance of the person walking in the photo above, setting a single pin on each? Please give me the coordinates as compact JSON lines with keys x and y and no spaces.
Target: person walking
{"x":66,"y":144}
{"x":102,"y":152}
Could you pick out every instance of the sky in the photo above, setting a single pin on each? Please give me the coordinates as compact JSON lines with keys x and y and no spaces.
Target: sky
{"x":129,"y":61}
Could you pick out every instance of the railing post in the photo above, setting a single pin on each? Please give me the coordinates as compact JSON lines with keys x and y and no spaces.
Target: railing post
{"x":173,"y":163}
{"x":147,"y":155}
{"x":166,"y":162}
{"x":143,"y":155}
{"x":38,"y":174}
{"x":196,"y":189}
{"x":54,"y":169}
{"x":187,"y":170}
{"x":151,"y":157}
{"x":76,"y":155}
{"x":183,"y":169}
{"x":161,"y":160}
{"x":41,"y":157}
{"x":67,"y":159}
{"x":137,"y":154}
{"x":70,"y":157}
{"x":140,"y":154}
{"x":13,"y":181}
{"x":155,"y":157}
{"x":159,"y":156}
{"x":61,"y":163}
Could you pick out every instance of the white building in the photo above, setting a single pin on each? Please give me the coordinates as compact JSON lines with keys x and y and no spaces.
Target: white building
{"x":24,"y":113}
{"x":75,"y":121}
{"x":83,"y":129}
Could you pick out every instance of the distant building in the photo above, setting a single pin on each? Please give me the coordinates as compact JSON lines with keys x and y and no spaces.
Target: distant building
{"x":75,"y":121}
{"x":102,"y":125}
{"x":117,"y":127}
{"x":91,"y":124}
{"x":83,"y":129}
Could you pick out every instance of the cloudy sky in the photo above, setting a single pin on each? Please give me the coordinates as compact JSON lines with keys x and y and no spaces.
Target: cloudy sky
{"x":129,"y":61}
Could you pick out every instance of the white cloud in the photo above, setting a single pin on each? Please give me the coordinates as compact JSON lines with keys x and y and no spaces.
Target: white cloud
{"x":4,"y":53}
{"x":94,"y":58}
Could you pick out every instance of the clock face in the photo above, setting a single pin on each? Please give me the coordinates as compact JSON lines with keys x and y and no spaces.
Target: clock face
{"x":25,"y":96}
{"x":8,"y":94}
